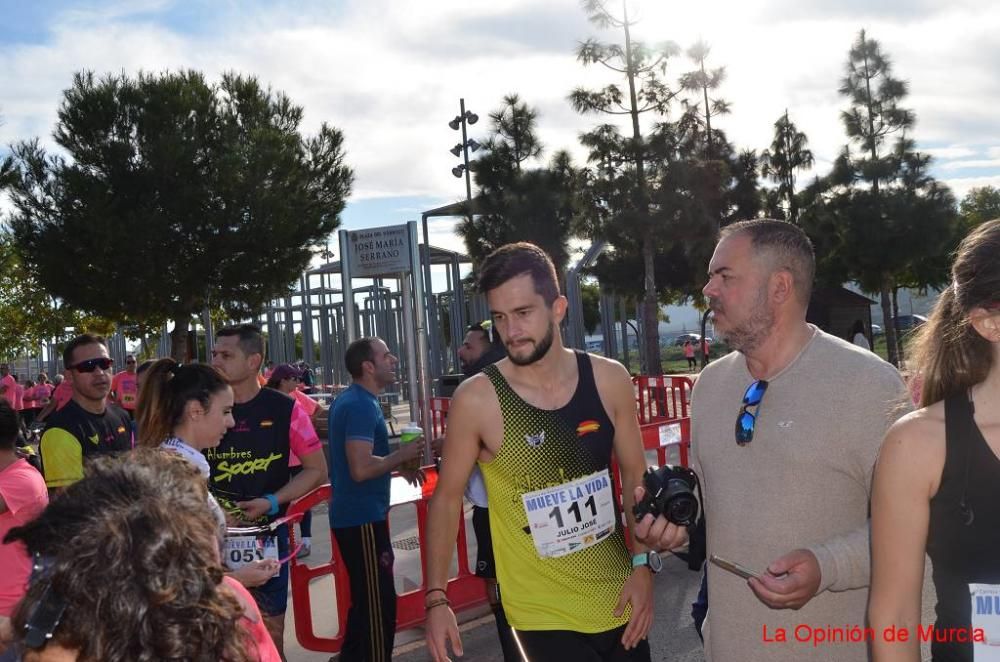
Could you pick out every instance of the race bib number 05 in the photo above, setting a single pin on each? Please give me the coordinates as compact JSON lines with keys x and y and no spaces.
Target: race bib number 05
{"x":567,"y":518}
{"x":240,"y":551}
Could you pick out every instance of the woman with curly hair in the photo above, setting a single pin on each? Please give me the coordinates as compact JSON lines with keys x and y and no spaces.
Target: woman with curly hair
{"x":127,"y":570}
{"x":936,"y":480}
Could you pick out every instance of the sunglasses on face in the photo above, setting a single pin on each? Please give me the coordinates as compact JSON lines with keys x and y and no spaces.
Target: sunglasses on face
{"x":90,"y":365}
{"x":746,"y":420}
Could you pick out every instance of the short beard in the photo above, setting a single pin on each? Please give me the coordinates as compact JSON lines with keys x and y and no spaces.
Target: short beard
{"x":541,"y":349}
{"x":749,"y":335}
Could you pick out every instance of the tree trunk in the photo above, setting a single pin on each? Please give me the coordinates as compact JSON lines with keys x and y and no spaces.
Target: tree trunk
{"x":179,"y":338}
{"x":704,"y":327}
{"x":895,"y":316}
{"x":889,"y":322}
{"x":651,"y":313}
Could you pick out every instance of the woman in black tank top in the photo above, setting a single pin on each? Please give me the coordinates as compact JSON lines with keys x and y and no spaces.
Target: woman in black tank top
{"x":937,"y":481}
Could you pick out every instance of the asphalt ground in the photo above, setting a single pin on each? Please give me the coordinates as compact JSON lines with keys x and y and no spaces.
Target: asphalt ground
{"x":672,"y":636}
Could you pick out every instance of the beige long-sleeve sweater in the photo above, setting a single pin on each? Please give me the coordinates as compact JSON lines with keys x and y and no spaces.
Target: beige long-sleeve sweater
{"x":803,"y":482}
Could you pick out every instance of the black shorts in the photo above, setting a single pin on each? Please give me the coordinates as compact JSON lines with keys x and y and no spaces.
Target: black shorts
{"x":544,"y":645}
{"x":486,"y":567}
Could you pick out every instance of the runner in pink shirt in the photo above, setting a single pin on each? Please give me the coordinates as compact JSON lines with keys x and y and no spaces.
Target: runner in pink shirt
{"x":18,"y":394}
{"x":8,"y":386}
{"x":287,"y":379}
{"x":22,"y":497}
{"x":59,"y":397}
{"x":124,"y":388}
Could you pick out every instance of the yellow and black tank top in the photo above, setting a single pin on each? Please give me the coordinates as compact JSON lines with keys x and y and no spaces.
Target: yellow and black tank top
{"x":545,"y":448}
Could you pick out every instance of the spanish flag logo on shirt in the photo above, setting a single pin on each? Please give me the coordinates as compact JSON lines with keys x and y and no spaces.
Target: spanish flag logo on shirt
{"x":266,"y":423}
{"x":586,"y":427}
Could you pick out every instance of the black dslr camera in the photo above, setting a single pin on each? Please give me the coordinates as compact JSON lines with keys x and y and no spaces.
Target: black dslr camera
{"x":669,"y":492}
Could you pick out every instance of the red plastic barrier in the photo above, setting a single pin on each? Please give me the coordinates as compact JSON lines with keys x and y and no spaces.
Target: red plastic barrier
{"x":439,"y":416}
{"x":664,"y":421}
{"x":465,"y":590}
{"x":660,"y":436}
{"x":662,"y":398}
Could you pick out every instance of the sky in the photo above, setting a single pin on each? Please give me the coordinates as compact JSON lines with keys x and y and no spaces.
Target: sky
{"x":389,"y":73}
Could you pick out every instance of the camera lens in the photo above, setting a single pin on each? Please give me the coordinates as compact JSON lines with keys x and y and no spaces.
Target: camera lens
{"x":682,"y":510}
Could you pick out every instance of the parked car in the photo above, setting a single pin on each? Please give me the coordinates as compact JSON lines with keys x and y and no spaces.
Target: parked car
{"x":877,"y":330}
{"x":909,"y":322}
{"x":693,"y":337}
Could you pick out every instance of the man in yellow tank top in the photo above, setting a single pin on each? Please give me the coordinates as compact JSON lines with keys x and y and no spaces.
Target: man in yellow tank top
{"x":543,"y":425}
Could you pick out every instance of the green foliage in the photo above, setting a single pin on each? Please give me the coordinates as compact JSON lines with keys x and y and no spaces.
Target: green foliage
{"x":874,"y":113}
{"x":590,"y":294}
{"x":538,"y":205}
{"x":787,"y":154}
{"x":979,"y":205}
{"x":28,"y":316}
{"x":703,"y":82}
{"x":175,"y":194}
{"x":514,"y":139}
{"x":623,"y":199}
{"x":878,"y":217}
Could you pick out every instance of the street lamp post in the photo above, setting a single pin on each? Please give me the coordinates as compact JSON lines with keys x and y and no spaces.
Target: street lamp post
{"x":464,"y":117}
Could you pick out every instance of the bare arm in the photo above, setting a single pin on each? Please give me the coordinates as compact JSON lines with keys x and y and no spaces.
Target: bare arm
{"x":460,"y":451}
{"x":365,"y":465}
{"x":638,"y":589}
{"x":46,"y":410}
{"x":313,"y":474}
{"x":906,"y":474}
{"x":628,"y":440}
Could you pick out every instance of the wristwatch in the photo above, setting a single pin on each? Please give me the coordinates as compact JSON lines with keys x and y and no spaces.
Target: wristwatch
{"x":649,"y":559}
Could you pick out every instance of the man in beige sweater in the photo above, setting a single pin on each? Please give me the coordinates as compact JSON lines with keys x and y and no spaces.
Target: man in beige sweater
{"x":786,"y":492}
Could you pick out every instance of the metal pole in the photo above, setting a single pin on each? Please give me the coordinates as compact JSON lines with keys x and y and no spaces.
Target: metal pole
{"x":428,"y":300}
{"x":422,"y":351}
{"x":206,"y":316}
{"x":465,"y":152}
{"x":350,"y":326}
{"x":409,"y":336}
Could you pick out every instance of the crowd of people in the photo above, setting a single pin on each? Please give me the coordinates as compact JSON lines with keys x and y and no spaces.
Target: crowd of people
{"x":156,"y":528}
{"x":118,"y":502}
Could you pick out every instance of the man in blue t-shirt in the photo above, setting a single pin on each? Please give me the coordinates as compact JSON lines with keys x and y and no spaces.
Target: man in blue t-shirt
{"x":360,"y":471}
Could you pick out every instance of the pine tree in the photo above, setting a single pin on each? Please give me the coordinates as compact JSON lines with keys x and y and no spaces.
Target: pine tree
{"x":788,"y":153}
{"x":642,"y":67}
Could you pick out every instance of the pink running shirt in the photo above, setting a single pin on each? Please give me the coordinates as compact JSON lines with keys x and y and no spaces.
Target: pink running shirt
{"x":23,"y":490}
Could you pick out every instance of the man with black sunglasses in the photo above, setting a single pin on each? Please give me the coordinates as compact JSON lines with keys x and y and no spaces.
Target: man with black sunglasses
{"x":88,"y":425}
{"x":787,"y":485}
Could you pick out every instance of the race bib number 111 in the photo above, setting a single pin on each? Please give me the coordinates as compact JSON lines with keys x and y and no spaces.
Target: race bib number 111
{"x":567,"y":518}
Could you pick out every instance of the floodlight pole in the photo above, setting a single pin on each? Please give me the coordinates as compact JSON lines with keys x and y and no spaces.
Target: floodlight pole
{"x":465,"y":151}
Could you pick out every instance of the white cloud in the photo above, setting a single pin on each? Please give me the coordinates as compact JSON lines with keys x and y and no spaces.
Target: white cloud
{"x":950,"y":152}
{"x":390,"y":74}
{"x":960,"y":186}
{"x":971,"y":163}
